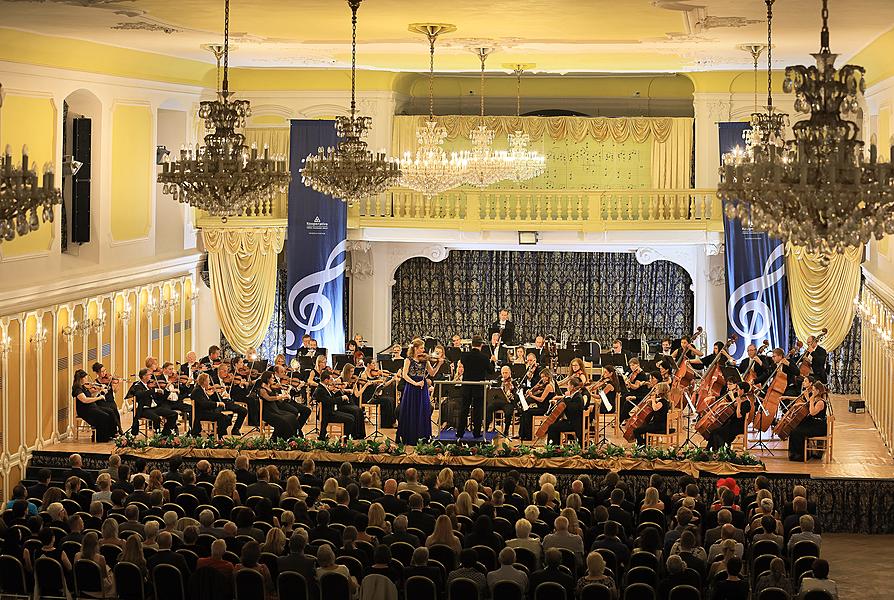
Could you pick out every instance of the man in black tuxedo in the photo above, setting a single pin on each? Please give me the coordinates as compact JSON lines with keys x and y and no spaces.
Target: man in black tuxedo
{"x":419,"y":519}
{"x":504,"y":327}
{"x":817,"y":356}
{"x":213,"y":359}
{"x":147,"y":404}
{"x":539,"y":351}
{"x":499,"y":355}
{"x":336,"y":409}
{"x":476,"y":367}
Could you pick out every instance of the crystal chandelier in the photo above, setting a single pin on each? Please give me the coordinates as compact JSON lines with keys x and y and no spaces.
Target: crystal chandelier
{"x":21,"y":194}
{"x":526,"y":164}
{"x":350,"y":172}
{"x":224,"y":177}
{"x":486,"y":165}
{"x":431,"y":170}
{"x":818,"y":190}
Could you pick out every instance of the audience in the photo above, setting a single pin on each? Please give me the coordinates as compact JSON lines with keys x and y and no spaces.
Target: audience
{"x":467,"y":570}
{"x":507,"y":572}
{"x":818,"y":579}
{"x":775,"y":578}
{"x":596,"y":575}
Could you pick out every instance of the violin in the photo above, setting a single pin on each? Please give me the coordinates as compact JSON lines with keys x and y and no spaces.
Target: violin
{"x":111,"y":379}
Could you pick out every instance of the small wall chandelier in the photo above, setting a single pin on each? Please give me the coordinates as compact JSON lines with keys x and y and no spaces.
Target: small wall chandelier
{"x":224,"y":177}
{"x":818,"y":190}
{"x":22,"y":194}
{"x":486,"y":165}
{"x":431,"y":170}
{"x":526,"y":164}
{"x":350,"y":172}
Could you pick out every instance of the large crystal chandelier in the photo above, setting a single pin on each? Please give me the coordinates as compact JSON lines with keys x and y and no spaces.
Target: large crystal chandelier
{"x":350,"y":171}
{"x":526,"y":164}
{"x":431,"y":170}
{"x":22,"y":193}
{"x":486,"y":165}
{"x":224,"y":177}
{"x":819,"y":190}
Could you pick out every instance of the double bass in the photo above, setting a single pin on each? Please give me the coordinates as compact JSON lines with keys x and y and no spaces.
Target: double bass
{"x":805,"y":367}
{"x":763,"y":419}
{"x":639,"y":415}
{"x":713,"y":381}
{"x":683,"y":378}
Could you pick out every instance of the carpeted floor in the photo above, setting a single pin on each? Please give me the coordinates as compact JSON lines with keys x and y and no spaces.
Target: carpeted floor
{"x":860,"y":564}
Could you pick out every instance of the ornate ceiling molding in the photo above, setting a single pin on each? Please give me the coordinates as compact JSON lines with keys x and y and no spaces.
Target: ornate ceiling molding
{"x":144,"y":26}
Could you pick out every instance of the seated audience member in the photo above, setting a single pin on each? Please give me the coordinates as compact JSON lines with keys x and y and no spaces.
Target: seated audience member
{"x":225,"y":485}
{"x":110,"y":534}
{"x":799,"y":508}
{"x":250,"y":559}
{"x":203,"y":472}
{"x":132,"y":514}
{"x":563,"y":539}
{"x":166,"y":556}
{"x":798,"y":491}
{"x":507,"y":572}
{"x":263,"y":488}
{"x":776,"y":578}
{"x":20,"y":493}
{"x":733,"y":587}
{"x":173,"y":473}
{"x":819,"y":580}
{"x":727,"y":533}
{"x":323,"y":532}
{"x":610,"y":541}
{"x":243,"y":473}
{"x":76,"y":469}
{"x":727,"y":552}
{"x":245,"y":525}
{"x":596,"y":574}
{"x":90,"y":551}
{"x":216,"y":561}
{"x":274,"y":542}
{"x":296,"y":561}
{"x":411,"y":482}
{"x":618,"y":514}
{"x":133,"y":554}
{"x":417,"y":518}
{"x":293,"y":490}
{"x":342,"y":512}
{"x":467,"y":570}
{"x":807,"y":535}
{"x":419,"y":567}
{"x":399,"y":532}
{"x":43,"y":482}
{"x":524,"y":540}
{"x":189,"y":486}
{"x":551,"y":571}
{"x":652,"y":500}
{"x":326,"y":564}
{"x":151,"y":537}
{"x":383,"y":565}
{"x":48,"y":547}
{"x":675,"y":575}
{"x":389,"y":500}
{"x":483,"y":534}
{"x":768,"y":522}
{"x":724,"y":517}
{"x":442,"y":534}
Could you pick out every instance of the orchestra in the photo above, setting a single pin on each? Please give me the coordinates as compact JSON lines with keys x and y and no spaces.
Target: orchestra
{"x":781,"y":394}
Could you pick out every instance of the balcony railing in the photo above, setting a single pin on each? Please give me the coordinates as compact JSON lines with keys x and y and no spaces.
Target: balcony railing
{"x":576,"y":210}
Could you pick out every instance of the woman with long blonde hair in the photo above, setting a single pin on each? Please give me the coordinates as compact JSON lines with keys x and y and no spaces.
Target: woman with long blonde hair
{"x":443,"y":534}
{"x":225,"y":485}
{"x":293,"y":489}
{"x":275,"y":542}
{"x":330,"y":487}
{"x":376,"y":515}
{"x":573,"y":522}
{"x":464,"y":505}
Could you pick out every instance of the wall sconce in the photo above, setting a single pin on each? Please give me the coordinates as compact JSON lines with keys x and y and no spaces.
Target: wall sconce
{"x":152,"y":307}
{"x":125,"y":313}
{"x":71,"y":330}
{"x":38,"y":338}
{"x":5,"y":346}
{"x":194,"y":298}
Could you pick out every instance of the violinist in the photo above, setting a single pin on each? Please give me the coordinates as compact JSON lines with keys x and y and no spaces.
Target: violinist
{"x":518,"y":355}
{"x":224,"y":380}
{"x":740,"y":394}
{"x":497,"y":351}
{"x":307,"y":347}
{"x":638,"y":385}
{"x":687,"y":350}
{"x":379,"y":387}
{"x":278,"y":361}
{"x":814,"y":424}
{"x":502,"y":398}
{"x":349,"y":383}
{"x":170,"y":383}
{"x":572,"y":418}
{"x":538,"y":398}
{"x":782,"y":363}
{"x":530,"y":377}
{"x":242,"y":388}
{"x":576,"y":369}
{"x":665,"y":373}
{"x":108,"y":384}
{"x":276,"y":411}
{"x":208,"y":406}
{"x":147,"y":404}
{"x":316,"y":374}
{"x":443,"y":370}
{"x":212,"y":359}
{"x":191,"y":368}
{"x":609,"y":384}
{"x":657,"y":421}
{"x":816,"y":356}
{"x":90,"y":406}
{"x":754,"y":363}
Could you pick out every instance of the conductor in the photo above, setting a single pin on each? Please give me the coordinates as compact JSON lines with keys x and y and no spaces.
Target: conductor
{"x":476,"y":367}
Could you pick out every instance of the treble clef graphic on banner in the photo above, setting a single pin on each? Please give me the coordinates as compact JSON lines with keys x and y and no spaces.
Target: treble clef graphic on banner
{"x":315,"y":302}
{"x":752,"y":319}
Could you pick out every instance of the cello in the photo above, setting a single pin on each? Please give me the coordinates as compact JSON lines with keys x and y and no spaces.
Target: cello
{"x":552,"y":415}
{"x":639,"y":415}
{"x":713,"y":381}
{"x":805,"y":367}
{"x":716,"y":415}
{"x":763,"y":418}
{"x":683,"y":378}
{"x":798,"y":411}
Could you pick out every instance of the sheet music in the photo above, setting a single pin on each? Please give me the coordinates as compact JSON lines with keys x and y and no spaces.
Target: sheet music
{"x":605,"y":401}
{"x":522,"y":400}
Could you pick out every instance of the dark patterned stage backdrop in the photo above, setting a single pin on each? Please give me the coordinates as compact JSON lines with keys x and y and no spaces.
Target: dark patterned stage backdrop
{"x":593,"y":296}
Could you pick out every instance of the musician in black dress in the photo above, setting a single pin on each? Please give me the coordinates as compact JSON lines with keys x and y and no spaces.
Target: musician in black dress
{"x":538,"y":399}
{"x":753,"y":362}
{"x":817,"y":356}
{"x":274,"y":409}
{"x":814,"y":424}
{"x":502,"y":397}
{"x":719,"y":354}
{"x":572,"y":418}
{"x":380,"y":388}
{"x":88,"y":407}
{"x":726,"y":434}
{"x":147,"y":397}
{"x":476,"y":367}
{"x":336,"y":408}
{"x":208,"y":406}
{"x":170,"y":382}
{"x":294,"y":403}
{"x":686,"y":351}
{"x":505,"y":327}
{"x":638,"y":385}
{"x":102,"y":377}
{"x":657,"y":421}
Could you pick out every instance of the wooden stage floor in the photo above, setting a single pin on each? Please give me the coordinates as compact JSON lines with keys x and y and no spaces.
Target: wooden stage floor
{"x":859,"y":451}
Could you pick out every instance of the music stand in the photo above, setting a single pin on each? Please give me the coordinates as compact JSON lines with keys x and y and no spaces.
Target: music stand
{"x":566,"y":355}
{"x":367,"y":351}
{"x":391,"y":365}
{"x":614,"y":360}
{"x":322,"y":351}
{"x":306,"y":363}
{"x":382,"y":357}
{"x":340,"y":360}
{"x":518,"y":371}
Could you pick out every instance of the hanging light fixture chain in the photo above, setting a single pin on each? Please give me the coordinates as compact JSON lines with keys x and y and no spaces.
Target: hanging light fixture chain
{"x":226,"y":54}
{"x":483,"y":56}
{"x":431,"y":75}
{"x":770,"y":54}
{"x":518,"y":76}
{"x":824,"y":33}
{"x":355,"y":4}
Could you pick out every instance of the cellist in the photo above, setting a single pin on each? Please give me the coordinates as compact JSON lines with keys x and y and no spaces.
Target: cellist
{"x":753,"y":363}
{"x":782,"y":363}
{"x":814,"y":424}
{"x":708,"y":359}
{"x":657,"y":421}
{"x":735,"y":424}
{"x":572,"y":418}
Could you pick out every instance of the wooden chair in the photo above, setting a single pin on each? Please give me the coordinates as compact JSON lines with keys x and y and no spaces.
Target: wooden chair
{"x":590,"y":423}
{"x":671,"y":435}
{"x":82,"y":425}
{"x":822,"y":443}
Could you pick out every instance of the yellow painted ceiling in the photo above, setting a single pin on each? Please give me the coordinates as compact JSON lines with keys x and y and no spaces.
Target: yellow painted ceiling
{"x":561,"y":36}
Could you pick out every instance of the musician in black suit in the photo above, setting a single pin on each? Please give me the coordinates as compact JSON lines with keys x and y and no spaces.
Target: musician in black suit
{"x":336,"y":409}
{"x":618,"y":349}
{"x":222,"y":376}
{"x":532,"y":375}
{"x":207,"y":406}
{"x":573,"y":416}
{"x":497,"y":349}
{"x":476,"y":367}
{"x":213,"y":358}
{"x":502,"y":397}
{"x":504,"y":327}
{"x":285,"y":423}
{"x":781,"y":362}
{"x":539,"y":351}
{"x":817,"y":356}
{"x":173,"y":391}
{"x":109,"y":405}
{"x":146,"y":405}
{"x":753,"y":362}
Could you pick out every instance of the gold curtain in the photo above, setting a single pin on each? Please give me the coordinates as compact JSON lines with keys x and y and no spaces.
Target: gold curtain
{"x":671,"y":136}
{"x":242,"y":267}
{"x":822,"y":294}
{"x":277,"y":139}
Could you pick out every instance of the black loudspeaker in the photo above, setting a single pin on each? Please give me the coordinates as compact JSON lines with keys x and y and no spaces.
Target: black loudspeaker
{"x":80,"y":189}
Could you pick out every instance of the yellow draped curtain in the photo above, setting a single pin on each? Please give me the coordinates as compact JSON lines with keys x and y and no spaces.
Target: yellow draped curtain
{"x":671,"y":137}
{"x":242,"y":266}
{"x":822,"y":292}
{"x":277,"y":139}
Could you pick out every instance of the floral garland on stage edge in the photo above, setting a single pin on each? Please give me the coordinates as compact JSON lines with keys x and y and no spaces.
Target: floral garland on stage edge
{"x":387,"y":447}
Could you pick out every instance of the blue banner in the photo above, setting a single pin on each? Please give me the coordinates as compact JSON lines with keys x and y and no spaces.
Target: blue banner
{"x":756,"y":288}
{"x":316,"y":249}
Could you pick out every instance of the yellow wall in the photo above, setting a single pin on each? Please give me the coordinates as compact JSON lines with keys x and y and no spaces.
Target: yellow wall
{"x":133,"y":164}
{"x":32,"y":121}
{"x":876,"y":58}
{"x":883,"y":135}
